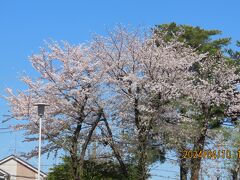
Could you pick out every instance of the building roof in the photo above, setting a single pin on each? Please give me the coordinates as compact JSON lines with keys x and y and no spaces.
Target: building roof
{"x":3,"y":173}
{"x":24,"y":163}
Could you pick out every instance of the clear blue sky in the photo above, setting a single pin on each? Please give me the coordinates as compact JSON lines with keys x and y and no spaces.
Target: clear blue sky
{"x":25,"y":24}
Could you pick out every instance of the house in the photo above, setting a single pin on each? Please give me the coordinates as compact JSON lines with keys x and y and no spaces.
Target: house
{"x":4,"y":175}
{"x":14,"y":168}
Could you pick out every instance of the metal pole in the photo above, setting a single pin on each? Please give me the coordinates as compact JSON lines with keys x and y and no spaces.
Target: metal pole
{"x":39,"y":146}
{"x":41,"y":107}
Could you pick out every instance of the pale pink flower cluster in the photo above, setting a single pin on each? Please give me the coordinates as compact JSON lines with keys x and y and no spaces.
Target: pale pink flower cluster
{"x":131,"y":76}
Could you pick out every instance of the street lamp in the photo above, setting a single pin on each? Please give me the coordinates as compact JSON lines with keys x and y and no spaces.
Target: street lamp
{"x":41,"y":108}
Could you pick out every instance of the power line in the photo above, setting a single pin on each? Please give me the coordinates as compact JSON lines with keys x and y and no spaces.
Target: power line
{"x":167,"y":177}
{"x":7,"y":132}
{"x":11,"y":131}
{"x":4,"y":128}
{"x":165,"y":170}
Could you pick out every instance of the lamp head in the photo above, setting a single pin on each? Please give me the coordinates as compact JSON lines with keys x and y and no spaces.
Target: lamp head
{"x":41,"y":108}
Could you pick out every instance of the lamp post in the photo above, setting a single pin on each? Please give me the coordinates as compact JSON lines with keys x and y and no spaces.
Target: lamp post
{"x":41,"y":108}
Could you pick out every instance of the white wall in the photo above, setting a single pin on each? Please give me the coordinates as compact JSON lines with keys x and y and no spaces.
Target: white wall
{"x":10,"y":167}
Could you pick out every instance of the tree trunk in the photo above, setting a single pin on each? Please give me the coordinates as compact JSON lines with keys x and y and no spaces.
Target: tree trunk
{"x":142,"y":142}
{"x":183,"y":164}
{"x":73,"y":154}
{"x":142,"y":157}
{"x":119,"y":158}
{"x":75,"y":167}
{"x":115,"y":150}
{"x":234,"y":175}
{"x":196,"y":163}
{"x":76,"y":164}
{"x":86,"y":143}
{"x":183,"y":169}
{"x":199,"y":145}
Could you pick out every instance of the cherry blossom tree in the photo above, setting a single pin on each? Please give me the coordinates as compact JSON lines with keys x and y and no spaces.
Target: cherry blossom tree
{"x":143,"y":75}
{"x":212,"y":93}
{"x":69,"y":81}
{"x":119,"y":85}
{"x":202,"y":41}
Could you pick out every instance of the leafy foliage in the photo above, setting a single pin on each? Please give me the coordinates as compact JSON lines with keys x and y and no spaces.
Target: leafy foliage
{"x":93,"y":170}
{"x":196,"y":37}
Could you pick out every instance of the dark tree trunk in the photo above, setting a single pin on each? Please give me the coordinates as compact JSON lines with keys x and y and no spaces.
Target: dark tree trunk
{"x":122,"y":164}
{"x":73,"y":154}
{"x":183,"y":169}
{"x":183,"y":164}
{"x":115,"y":150}
{"x":142,"y":142}
{"x":199,"y":147}
{"x":76,"y":159}
{"x":234,"y":175}
{"x":86,"y":143}
{"x":75,"y":167}
{"x":199,"y":144}
{"x":142,"y":159}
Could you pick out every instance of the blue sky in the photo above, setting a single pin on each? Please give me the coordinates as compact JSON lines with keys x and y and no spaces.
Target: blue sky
{"x":26,"y":24}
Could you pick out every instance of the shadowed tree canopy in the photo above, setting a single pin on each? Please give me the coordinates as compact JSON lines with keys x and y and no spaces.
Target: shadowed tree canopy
{"x":93,"y":170}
